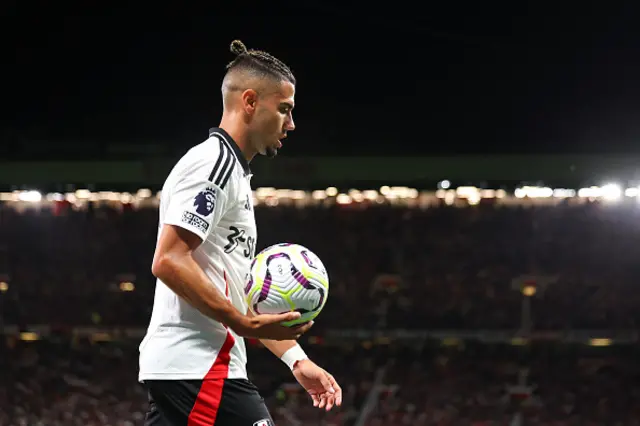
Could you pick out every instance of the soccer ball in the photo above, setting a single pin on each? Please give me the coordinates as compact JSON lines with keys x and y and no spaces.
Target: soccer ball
{"x":287,"y":277}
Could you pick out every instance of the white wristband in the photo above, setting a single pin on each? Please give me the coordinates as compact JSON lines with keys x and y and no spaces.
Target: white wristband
{"x":292,"y":355}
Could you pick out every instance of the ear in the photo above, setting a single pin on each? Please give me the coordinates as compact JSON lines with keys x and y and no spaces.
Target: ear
{"x":249,"y":101}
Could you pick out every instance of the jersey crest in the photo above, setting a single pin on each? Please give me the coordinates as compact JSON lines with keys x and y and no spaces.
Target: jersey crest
{"x":205,"y":201}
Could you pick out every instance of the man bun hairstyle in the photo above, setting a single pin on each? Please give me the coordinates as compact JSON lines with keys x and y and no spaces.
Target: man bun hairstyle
{"x":258,"y":62}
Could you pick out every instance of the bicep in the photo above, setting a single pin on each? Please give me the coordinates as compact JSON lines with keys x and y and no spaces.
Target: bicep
{"x":177,"y":239}
{"x":173,"y":243}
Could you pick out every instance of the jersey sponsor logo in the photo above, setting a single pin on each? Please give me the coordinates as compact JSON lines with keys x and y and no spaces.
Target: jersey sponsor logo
{"x":205,"y":201}
{"x":237,"y":237}
{"x":195,"y":221}
{"x":264,"y":422}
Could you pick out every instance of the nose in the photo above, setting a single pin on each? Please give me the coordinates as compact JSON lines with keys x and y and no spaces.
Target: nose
{"x":289,"y":125}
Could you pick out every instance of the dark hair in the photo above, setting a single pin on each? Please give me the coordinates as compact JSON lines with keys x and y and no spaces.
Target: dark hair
{"x":260,"y":62}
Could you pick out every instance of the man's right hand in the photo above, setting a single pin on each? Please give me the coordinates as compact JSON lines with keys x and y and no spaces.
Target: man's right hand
{"x":268,"y":326}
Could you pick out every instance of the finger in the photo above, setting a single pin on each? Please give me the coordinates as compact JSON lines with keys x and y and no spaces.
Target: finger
{"x":287,"y":316}
{"x":303,"y":325}
{"x":297,"y":332}
{"x":303,"y":328}
{"x":326,"y":383}
{"x":323,"y":401}
{"x":294,"y":334}
{"x":316,"y":400}
{"x":337,"y":388}
{"x":330,"y":401}
{"x":266,"y":319}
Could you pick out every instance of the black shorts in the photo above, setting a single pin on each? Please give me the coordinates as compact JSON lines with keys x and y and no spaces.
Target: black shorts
{"x":223,"y":402}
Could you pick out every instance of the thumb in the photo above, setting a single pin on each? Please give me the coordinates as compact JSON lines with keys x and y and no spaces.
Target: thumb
{"x":287,"y":316}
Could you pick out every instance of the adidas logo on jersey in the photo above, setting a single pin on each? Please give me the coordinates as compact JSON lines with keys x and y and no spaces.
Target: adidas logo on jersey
{"x":265,"y":422}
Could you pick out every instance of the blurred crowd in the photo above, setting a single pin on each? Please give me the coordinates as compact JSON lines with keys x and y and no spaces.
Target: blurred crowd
{"x":77,"y":383}
{"x":438,"y":268}
{"x":441,"y":268}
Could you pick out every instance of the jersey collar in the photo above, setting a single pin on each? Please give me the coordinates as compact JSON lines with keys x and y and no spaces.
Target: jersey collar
{"x":233,"y":145}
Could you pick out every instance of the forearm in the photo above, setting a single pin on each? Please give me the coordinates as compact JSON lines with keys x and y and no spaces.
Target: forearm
{"x":278,"y":348}
{"x":289,"y":351}
{"x":185,"y":277}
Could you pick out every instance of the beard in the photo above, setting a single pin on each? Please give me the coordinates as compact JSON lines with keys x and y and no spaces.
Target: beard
{"x":271,"y":151}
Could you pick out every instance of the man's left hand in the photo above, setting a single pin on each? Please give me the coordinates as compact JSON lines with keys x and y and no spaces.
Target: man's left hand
{"x":323,"y":388}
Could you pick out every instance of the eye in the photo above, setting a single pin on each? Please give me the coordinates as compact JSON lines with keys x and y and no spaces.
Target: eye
{"x":285,"y":108}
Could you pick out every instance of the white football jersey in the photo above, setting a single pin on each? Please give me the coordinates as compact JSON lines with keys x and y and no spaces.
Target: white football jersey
{"x":208,"y":192}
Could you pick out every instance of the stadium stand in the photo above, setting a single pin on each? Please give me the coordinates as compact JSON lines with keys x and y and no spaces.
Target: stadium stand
{"x":468,"y":311}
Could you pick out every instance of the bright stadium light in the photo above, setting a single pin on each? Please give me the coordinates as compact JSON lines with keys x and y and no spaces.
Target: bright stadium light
{"x":30,"y":196}
{"x":144,"y":193}
{"x":332,"y":191}
{"x":29,"y":336}
{"x":529,"y":290}
{"x":127,"y":286}
{"x":611,"y":192}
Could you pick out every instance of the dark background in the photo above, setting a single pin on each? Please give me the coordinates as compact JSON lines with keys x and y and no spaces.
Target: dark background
{"x":386,"y":79}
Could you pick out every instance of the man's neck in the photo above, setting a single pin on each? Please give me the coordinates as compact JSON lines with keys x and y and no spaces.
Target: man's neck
{"x":237,"y":131}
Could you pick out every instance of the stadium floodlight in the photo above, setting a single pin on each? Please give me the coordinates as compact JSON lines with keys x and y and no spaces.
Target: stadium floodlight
{"x":611,"y":192}
{"x":332,"y":191}
{"x":30,"y":196}
{"x":127,"y":286}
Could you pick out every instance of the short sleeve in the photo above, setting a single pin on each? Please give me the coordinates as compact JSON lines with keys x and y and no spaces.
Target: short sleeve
{"x":199,"y":197}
